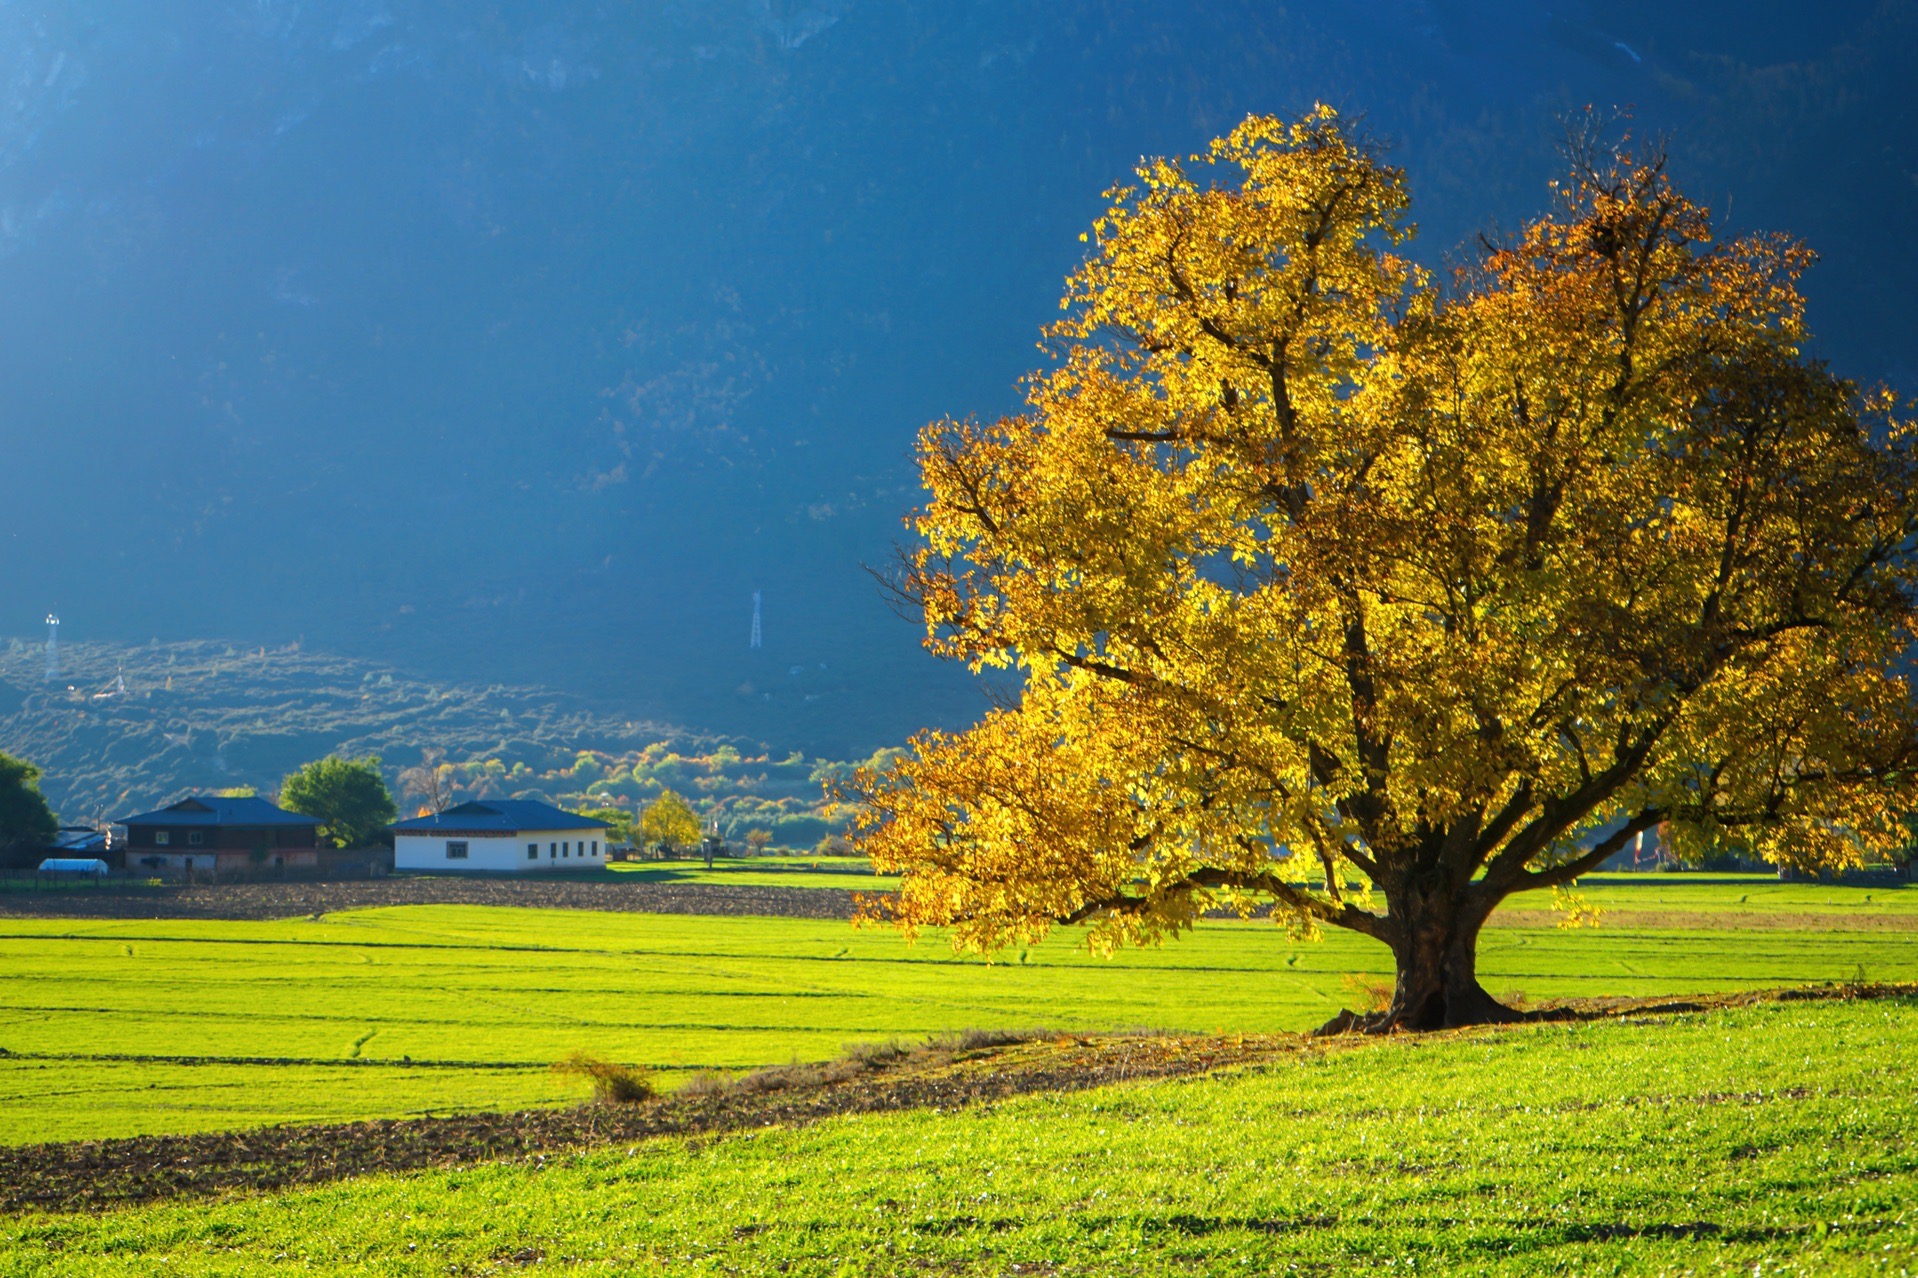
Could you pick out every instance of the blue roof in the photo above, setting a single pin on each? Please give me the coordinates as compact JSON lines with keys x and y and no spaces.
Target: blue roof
{"x":213,"y":809}
{"x":499,"y":814}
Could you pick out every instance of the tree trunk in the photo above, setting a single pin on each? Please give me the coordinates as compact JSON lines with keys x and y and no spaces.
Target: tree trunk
{"x":1436,"y":952}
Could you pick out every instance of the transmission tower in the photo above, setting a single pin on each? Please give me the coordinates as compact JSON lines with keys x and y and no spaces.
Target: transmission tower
{"x":755,"y":642}
{"x":53,"y":647}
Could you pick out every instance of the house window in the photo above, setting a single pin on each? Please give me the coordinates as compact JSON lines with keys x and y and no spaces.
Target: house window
{"x":162,"y":837}
{"x":552,"y":851}
{"x":566,"y":849}
{"x":196,"y":837}
{"x":595,"y":847}
{"x":532,"y":851}
{"x":456,"y":850}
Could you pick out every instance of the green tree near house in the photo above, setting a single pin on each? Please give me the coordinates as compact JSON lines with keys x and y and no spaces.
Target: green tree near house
{"x":348,"y":797}
{"x":620,"y":824}
{"x":669,"y":820}
{"x":25,"y":819}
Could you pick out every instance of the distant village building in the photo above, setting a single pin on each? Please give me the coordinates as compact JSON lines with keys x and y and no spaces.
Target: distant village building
{"x":511,"y":836}
{"x":216,"y":835}
{"x":81,"y":841}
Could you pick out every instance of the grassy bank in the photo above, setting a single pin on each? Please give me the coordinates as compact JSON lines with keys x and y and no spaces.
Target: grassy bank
{"x":1776,"y":1138}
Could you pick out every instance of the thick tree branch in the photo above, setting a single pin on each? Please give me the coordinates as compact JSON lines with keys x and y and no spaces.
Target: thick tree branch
{"x":1336,"y":913}
{"x":1560,"y":814}
{"x":1501,"y":825}
{"x":1601,"y":852}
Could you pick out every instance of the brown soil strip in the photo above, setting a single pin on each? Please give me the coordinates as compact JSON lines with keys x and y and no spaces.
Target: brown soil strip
{"x":89,"y":1175}
{"x":1718,"y":921}
{"x":289,"y":900}
{"x":259,"y":901}
{"x":92,"y":1175}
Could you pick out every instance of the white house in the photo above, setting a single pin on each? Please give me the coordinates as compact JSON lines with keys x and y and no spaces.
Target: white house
{"x":510,"y":836}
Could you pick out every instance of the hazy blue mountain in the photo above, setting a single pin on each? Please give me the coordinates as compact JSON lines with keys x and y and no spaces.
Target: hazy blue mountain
{"x":516,"y":341}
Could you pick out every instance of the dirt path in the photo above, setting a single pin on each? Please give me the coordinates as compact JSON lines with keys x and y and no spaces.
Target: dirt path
{"x":290,"y":900}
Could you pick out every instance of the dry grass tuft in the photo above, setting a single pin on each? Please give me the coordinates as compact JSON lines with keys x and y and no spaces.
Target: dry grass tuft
{"x":704,"y":1083}
{"x":1374,"y":992}
{"x":876,"y":1055}
{"x":613,"y":1084}
{"x":978,"y":1040}
{"x":842,"y":1070}
{"x":859,"y":1059}
{"x":780,"y":1078}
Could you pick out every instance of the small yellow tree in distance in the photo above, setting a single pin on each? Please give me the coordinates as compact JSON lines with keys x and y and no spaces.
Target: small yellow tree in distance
{"x":1378,"y":600}
{"x":668,"y":821}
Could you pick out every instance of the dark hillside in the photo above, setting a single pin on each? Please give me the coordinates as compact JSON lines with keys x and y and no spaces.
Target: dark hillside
{"x":130,"y":727}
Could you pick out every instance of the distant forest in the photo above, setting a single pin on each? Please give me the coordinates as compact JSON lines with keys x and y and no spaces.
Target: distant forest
{"x":126,"y":728}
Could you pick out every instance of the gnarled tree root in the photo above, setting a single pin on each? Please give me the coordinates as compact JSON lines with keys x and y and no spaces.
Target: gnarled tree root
{"x":1481,"y":1009}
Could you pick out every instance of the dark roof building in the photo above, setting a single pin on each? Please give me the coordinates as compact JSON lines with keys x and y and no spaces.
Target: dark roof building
{"x":217,"y":809}
{"x":67,"y":841}
{"x":214,"y":833}
{"x":79,"y":840}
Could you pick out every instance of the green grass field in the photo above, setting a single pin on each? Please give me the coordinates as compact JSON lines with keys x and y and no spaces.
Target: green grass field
{"x":119,"y":1028}
{"x":1619,"y":893}
{"x":1762,"y":894}
{"x":850,"y":872}
{"x":1773,"y":1139}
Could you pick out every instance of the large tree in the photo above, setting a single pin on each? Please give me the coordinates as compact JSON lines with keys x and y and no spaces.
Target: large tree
{"x":25,"y":819}
{"x":1379,"y":599}
{"x":347,"y":796}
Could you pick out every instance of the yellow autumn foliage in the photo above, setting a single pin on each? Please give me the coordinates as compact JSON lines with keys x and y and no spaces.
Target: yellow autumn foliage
{"x":1316,"y":570}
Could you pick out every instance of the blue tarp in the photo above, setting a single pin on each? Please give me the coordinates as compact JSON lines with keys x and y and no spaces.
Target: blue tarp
{"x":73,"y":865}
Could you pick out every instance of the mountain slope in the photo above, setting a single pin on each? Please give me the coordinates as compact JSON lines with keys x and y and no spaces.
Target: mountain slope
{"x":128,"y":727}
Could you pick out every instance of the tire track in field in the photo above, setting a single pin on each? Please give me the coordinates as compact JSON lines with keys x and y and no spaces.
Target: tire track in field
{"x":360,"y":1018}
{"x":309,"y":1062}
{"x":661,"y":952}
